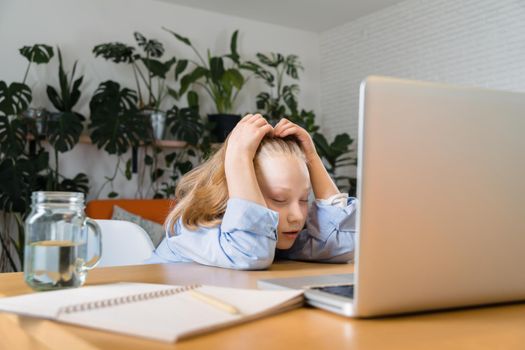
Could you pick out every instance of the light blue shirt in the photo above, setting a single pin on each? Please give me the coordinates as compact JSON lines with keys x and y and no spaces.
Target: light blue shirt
{"x":247,"y":236}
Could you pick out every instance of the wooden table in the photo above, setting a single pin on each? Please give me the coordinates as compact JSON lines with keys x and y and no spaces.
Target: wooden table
{"x":495,"y":327}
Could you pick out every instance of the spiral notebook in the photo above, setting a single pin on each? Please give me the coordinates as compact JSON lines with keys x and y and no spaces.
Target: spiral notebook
{"x":156,"y":311}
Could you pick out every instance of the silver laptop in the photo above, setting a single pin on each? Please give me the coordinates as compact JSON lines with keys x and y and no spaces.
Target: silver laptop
{"x":441,"y":189}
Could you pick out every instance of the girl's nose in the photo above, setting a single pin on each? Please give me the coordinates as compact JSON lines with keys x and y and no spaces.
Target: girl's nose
{"x":295,"y":214}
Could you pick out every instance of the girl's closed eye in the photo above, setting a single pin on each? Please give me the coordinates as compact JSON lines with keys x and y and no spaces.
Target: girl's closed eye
{"x":279,"y":200}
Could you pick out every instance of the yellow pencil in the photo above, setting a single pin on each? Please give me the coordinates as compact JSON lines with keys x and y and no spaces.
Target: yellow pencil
{"x":214,"y":302}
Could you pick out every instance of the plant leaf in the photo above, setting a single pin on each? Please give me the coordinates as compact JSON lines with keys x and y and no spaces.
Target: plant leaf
{"x":152,"y":47}
{"x":234,"y":55}
{"x":186,"y":124}
{"x":190,"y":78}
{"x":52,"y":94}
{"x":290,"y":96}
{"x":115,"y":120}
{"x":116,"y":52}
{"x":64,"y":129}
{"x":158,"y":68}
{"x":128,"y":172}
{"x":156,"y":174}
{"x":292,"y":66}
{"x":14,"y":98}
{"x":12,"y":137}
{"x":234,"y":77}
{"x":80,"y":183}
{"x":38,"y":53}
{"x":181,"y":66}
{"x":216,"y":69}
{"x":179,"y":37}
{"x":193,"y":99}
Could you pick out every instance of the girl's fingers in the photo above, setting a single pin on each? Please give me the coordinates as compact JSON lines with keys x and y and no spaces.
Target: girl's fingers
{"x":260,"y":122}
{"x":254,"y":117}
{"x":283,"y":125}
{"x":267,"y":129}
{"x":281,"y":122}
{"x":250,"y":118}
{"x":289,"y":131}
{"x":243,"y":119}
{"x":279,"y":132}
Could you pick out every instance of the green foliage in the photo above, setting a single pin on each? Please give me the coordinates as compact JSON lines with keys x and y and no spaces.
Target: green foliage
{"x":14,"y":98}
{"x":151,"y":47}
{"x":275,"y":69}
{"x":115,"y":120}
{"x":38,"y":53}
{"x":69,"y":89}
{"x":64,"y":131}
{"x":12,"y":137}
{"x":26,"y":169}
{"x":186,"y":122}
{"x":65,"y":126}
{"x":116,"y":52}
{"x":150,"y":70}
{"x":221,"y":79}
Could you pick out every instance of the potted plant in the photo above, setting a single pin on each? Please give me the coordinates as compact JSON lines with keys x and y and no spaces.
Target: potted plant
{"x":221,"y":78}
{"x":26,"y":169}
{"x":150,"y":74}
{"x":281,"y":99}
{"x":116,"y":108}
{"x":64,"y":127}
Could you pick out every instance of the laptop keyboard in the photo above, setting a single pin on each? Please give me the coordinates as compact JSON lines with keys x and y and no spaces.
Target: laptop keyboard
{"x":346,"y":290}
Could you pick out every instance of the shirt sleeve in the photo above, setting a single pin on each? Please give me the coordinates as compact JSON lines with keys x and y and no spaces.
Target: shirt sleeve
{"x":245,"y":239}
{"x":329,"y":235}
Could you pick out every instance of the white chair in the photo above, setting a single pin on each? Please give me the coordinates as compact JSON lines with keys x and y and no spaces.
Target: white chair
{"x":123,"y":243}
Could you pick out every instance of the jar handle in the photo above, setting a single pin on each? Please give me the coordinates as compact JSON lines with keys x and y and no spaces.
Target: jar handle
{"x":91,"y":263}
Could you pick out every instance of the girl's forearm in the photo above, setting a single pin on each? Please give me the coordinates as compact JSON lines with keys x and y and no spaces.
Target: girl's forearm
{"x":322,"y":183}
{"x":242,"y":182}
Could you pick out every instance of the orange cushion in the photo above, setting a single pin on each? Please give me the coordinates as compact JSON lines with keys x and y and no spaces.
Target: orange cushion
{"x":152,"y":209}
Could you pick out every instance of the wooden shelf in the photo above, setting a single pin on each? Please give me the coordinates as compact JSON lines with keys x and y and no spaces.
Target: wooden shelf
{"x":160,"y":143}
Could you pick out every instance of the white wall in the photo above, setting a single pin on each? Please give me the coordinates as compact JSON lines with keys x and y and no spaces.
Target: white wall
{"x":78,"y":25}
{"x":467,"y":42}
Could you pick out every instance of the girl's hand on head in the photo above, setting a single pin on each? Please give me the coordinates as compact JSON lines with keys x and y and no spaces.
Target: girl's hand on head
{"x":246,"y":136}
{"x":286,"y":128}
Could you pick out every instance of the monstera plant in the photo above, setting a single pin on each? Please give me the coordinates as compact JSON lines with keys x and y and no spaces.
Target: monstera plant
{"x":123,"y":119}
{"x":149,"y":71}
{"x":24,"y":163}
{"x":65,"y":126}
{"x":116,"y":125}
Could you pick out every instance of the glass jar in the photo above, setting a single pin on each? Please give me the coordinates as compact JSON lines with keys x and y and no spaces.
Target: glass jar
{"x":56,"y":242}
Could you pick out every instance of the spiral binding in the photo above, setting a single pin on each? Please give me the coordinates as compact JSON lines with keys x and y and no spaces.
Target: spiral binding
{"x":98,"y":304}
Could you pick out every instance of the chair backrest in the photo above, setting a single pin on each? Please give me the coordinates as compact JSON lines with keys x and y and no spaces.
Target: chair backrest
{"x":123,"y":243}
{"x":152,"y":209}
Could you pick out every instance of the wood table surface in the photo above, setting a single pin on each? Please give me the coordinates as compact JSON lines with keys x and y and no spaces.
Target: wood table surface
{"x":490,"y":327}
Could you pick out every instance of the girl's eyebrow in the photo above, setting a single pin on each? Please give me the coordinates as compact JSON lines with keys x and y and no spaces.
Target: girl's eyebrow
{"x":287,"y":189}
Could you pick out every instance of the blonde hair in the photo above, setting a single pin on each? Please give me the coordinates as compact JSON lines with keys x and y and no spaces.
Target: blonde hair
{"x":202,"y":193}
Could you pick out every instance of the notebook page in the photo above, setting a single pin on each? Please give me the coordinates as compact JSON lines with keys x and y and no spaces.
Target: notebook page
{"x":171,"y":317}
{"x":47,"y":304}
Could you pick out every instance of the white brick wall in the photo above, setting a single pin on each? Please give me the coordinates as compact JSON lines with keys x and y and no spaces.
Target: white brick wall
{"x":467,"y":42}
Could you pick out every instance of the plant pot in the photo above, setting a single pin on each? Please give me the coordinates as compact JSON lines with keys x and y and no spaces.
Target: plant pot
{"x":38,"y":118}
{"x":223,"y":124}
{"x":158,"y":124}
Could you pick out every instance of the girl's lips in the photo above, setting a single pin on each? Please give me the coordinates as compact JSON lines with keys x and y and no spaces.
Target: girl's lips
{"x":290,"y":234}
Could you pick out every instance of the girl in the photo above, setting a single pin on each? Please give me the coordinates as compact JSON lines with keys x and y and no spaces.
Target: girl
{"x":248,"y":203}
